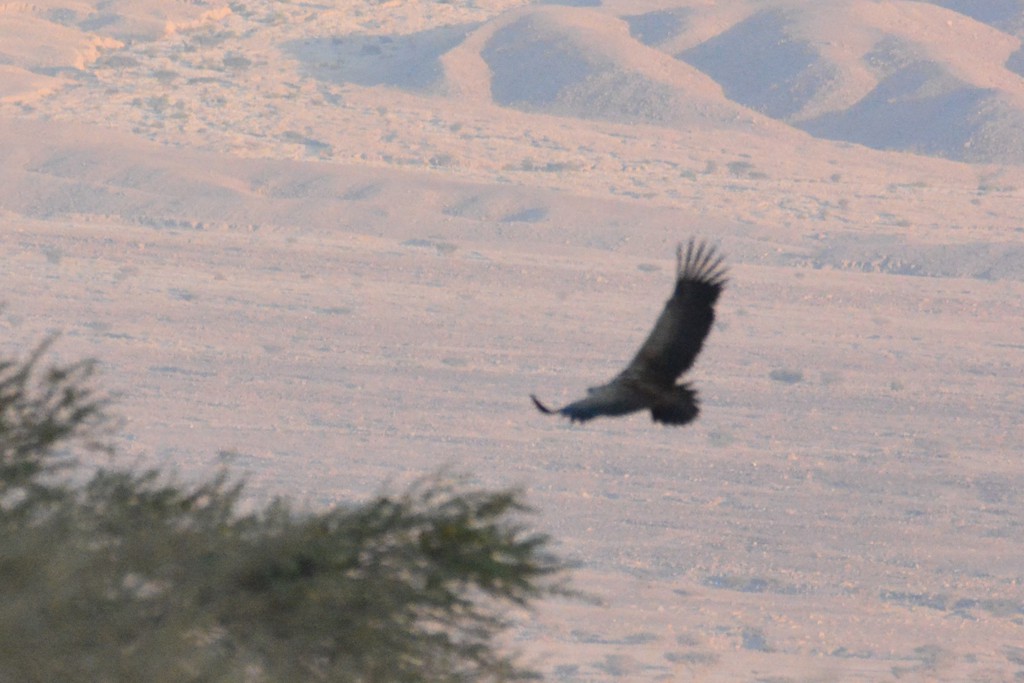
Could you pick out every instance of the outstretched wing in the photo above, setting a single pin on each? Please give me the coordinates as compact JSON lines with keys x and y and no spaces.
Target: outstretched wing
{"x":669,"y":351}
{"x":614,"y":398}
{"x":679,"y":334}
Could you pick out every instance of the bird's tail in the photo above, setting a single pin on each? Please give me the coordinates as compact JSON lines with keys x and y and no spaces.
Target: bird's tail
{"x":541,"y":407}
{"x":677,"y":407}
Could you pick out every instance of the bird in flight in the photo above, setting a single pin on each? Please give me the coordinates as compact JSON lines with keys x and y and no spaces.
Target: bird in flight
{"x":649,"y":381}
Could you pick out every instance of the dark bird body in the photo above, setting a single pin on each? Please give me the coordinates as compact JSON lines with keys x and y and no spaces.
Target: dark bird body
{"x":649,"y":381}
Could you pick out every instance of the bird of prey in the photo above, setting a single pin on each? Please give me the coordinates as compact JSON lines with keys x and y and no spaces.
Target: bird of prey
{"x":649,"y":381}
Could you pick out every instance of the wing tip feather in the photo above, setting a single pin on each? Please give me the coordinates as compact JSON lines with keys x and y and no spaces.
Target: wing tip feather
{"x":702,"y":264}
{"x":541,"y":407}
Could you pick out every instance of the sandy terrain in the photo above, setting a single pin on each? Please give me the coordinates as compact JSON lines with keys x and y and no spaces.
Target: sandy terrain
{"x":336,"y":246}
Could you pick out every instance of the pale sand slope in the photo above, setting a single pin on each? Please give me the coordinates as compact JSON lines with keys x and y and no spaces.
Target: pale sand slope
{"x":289,"y":232}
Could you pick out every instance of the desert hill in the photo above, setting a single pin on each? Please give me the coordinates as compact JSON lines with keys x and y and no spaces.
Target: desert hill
{"x":878,"y":74}
{"x":898,"y":75}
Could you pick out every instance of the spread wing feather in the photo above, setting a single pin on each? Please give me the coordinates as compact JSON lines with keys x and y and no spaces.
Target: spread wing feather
{"x":648,"y":382}
{"x":678,"y":335}
{"x":614,"y":398}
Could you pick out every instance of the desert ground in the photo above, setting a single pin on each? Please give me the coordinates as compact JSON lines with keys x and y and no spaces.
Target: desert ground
{"x":335,"y":246}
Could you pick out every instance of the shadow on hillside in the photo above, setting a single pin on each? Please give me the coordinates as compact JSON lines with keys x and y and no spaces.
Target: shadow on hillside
{"x":762,"y":67}
{"x":538,"y":65}
{"x":410,"y":62}
{"x":923,"y":108}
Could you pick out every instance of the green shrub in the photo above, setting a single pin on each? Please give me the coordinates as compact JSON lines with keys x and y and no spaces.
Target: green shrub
{"x":119,"y":575}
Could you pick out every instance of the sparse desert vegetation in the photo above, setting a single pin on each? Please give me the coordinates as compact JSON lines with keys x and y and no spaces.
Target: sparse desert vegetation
{"x":124,"y":575}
